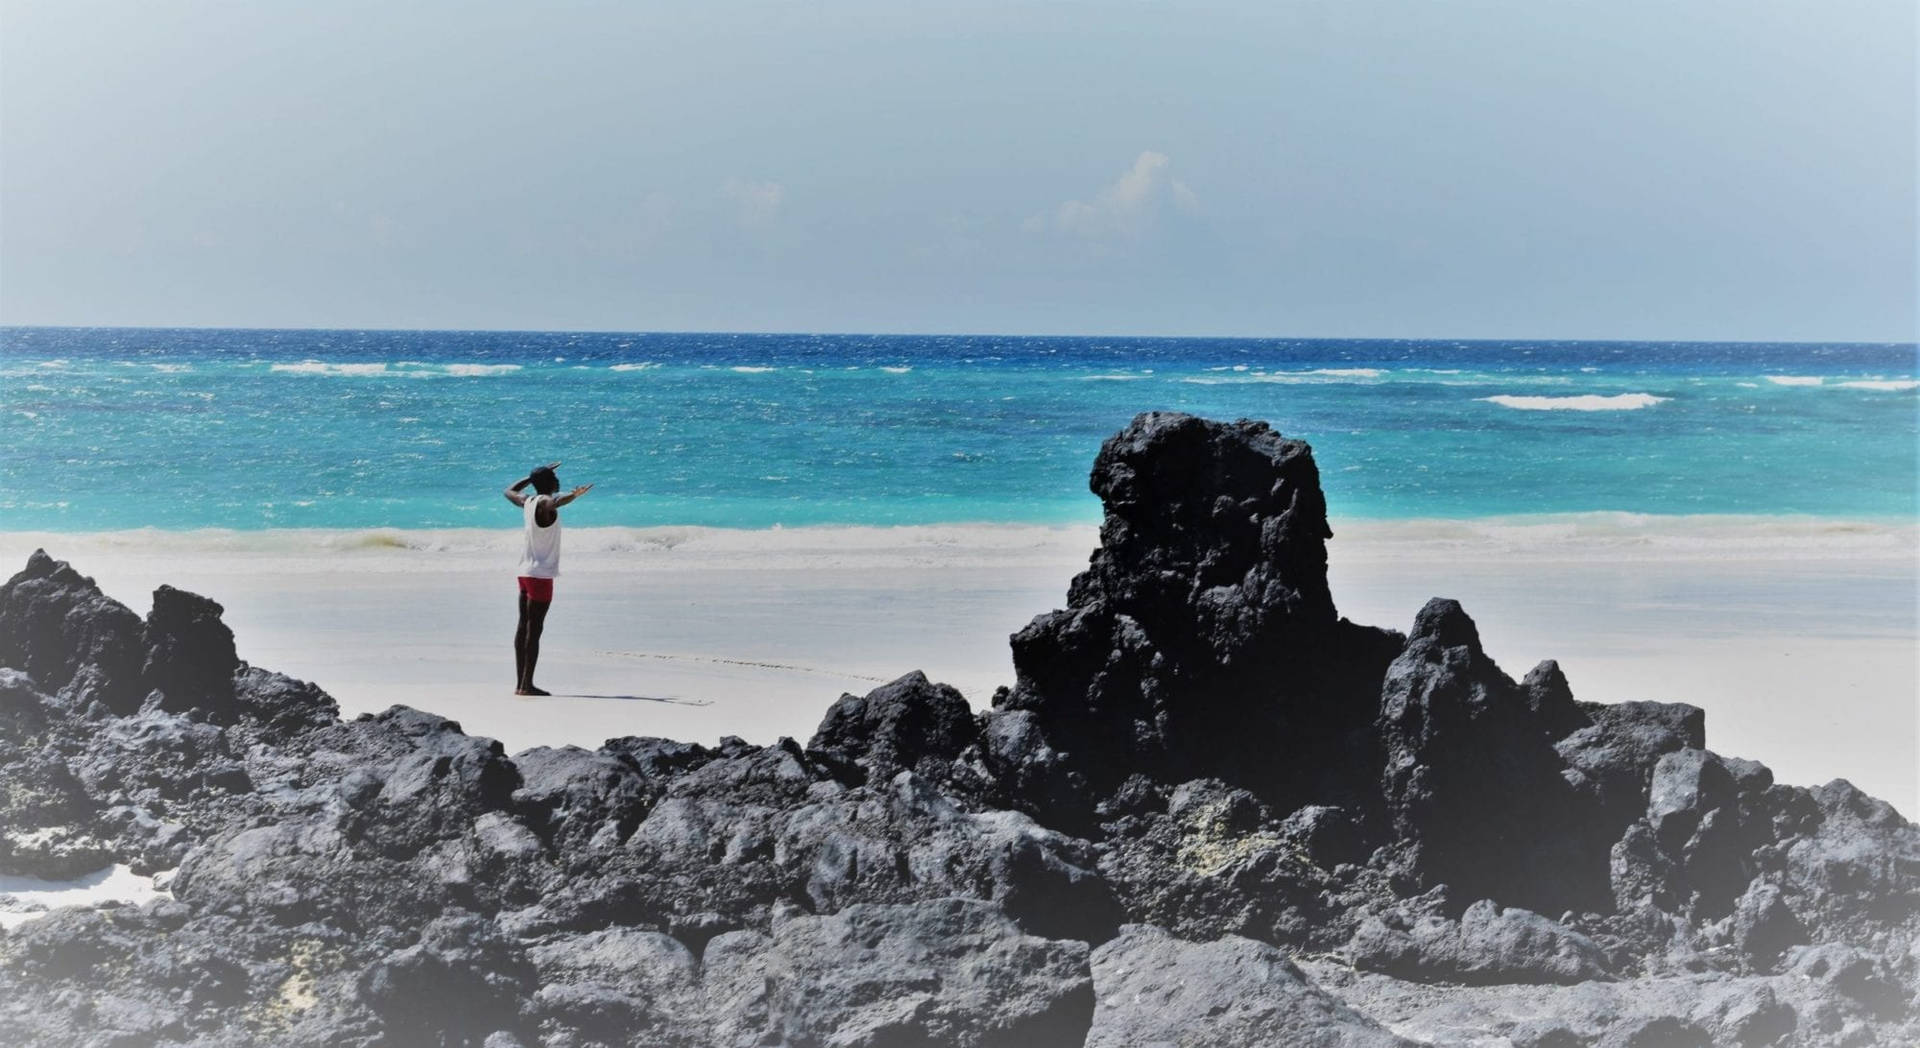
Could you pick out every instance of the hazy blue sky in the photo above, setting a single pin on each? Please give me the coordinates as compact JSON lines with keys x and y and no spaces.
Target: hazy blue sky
{"x":1500,"y":168}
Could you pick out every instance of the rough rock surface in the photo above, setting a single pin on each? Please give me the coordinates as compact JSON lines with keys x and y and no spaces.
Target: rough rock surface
{"x":1154,"y":988}
{"x":1202,"y":640}
{"x":1208,"y":811}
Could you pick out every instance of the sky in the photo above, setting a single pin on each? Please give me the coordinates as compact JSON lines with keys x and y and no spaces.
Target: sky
{"x":1717,"y":169}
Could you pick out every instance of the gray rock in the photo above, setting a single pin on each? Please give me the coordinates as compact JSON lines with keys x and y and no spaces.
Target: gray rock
{"x":583,"y":801}
{"x":1216,"y":863}
{"x":1488,"y":944}
{"x":1686,"y":785}
{"x":1764,"y":926}
{"x":1662,"y":1032}
{"x":947,"y":972}
{"x":1612,"y":758}
{"x":620,"y":985}
{"x":1746,"y":1013}
{"x":1154,"y":989}
{"x":906,"y":725}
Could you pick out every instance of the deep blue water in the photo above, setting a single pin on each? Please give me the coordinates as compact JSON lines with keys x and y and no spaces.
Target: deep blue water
{"x":119,"y":428}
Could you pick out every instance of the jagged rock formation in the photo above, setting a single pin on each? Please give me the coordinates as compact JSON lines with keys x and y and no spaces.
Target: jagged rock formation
{"x":1200,"y":771}
{"x":1202,"y":639}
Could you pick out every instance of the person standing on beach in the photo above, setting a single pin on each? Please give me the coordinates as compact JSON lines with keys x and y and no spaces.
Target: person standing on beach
{"x":539,"y":565}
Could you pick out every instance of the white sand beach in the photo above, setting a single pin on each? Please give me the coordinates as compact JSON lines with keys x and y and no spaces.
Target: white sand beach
{"x":1799,"y":639}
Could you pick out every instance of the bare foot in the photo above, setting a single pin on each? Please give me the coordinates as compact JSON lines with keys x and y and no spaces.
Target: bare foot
{"x":531,"y":690}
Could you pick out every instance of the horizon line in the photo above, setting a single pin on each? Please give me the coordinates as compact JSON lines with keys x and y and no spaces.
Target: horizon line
{"x":958,"y":334}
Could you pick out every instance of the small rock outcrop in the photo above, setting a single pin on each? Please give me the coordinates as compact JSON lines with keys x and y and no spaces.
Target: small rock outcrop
{"x":1462,"y":742}
{"x":75,"y":642}
{"x":1208,"y":811}
{"x":190,"y":654}
{"x":896,"y":727}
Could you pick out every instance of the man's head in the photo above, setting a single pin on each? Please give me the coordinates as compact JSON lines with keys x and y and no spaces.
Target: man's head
{"x":544,"y":480}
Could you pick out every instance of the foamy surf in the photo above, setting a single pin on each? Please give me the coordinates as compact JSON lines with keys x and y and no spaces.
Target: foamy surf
{"x":383,"y":369}
{"x":1891,"y":385}
{"x":1318,"y":376}
{"x":1585,"y":402}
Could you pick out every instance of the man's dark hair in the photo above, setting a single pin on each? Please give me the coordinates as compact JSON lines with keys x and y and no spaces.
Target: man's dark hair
{"x":544,"y":480}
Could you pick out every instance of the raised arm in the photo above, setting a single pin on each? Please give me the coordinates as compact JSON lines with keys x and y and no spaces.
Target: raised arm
{"x":513,"y":490}
{"x":571,"y":495}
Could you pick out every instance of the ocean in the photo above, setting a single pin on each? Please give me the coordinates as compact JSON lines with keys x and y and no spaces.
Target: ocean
{"x":180,"y":430}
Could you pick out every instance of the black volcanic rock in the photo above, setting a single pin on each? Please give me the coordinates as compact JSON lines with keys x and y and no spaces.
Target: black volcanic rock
{"x":896,"y":727}
{"x":1611,"y":757}
{"x":1202,"y":639}
{"x":73,"y":640}
{"x":1200,"y":770}
{"x":190,"y":654}
{"x":1462,"y":742}
{"x":1217,"y":863}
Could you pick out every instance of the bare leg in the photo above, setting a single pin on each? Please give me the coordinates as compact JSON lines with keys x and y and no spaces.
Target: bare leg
{"x":533,"y":621}
{"x":520,"y":647}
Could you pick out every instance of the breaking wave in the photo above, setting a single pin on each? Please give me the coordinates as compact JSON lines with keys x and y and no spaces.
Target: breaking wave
{"x":1586,"y":402}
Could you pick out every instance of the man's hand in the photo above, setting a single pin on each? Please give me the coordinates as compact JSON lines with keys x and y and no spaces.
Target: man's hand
{"x":571,"y":495}
{"x":513,"y":491}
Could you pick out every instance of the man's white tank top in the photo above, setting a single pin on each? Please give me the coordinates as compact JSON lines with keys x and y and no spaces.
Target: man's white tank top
{"x":541,"y":560}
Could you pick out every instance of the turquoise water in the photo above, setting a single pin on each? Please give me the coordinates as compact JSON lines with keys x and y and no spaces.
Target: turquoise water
{"x":180,"y":429}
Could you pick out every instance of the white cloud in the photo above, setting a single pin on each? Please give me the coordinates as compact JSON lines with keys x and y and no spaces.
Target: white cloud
{"x":756,"y":203}
{"x":1125,"y":208}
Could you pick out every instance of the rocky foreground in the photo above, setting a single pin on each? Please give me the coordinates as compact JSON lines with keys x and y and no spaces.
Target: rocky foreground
{"x":1209,"y":811}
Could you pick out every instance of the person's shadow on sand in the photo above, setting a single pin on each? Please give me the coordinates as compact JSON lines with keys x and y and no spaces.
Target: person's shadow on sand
{"x":643,"y":698}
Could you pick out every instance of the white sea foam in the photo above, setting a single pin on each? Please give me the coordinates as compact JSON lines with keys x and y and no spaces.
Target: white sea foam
{"x":1886,"y":384}
{"x":23,"y":899}
{"x":1586,"y":402}
{"x":749,"y":369}
{"x":1795,"y":380}
{"x":644,"y":365}
{"x":469,"y":370}
{"x":896,"y":370}
{"x":1111,"y":378}
{"x":1317,"y":376}
{"x":401,"y":369}
{"x":322,"y":367}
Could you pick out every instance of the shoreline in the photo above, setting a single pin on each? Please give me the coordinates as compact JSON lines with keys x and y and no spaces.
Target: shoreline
{"x":1550,"y":535}
{"x":1797,"y":635}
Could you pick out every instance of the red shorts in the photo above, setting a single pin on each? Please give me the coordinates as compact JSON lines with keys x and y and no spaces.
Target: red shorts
{"x":540,"y":591}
